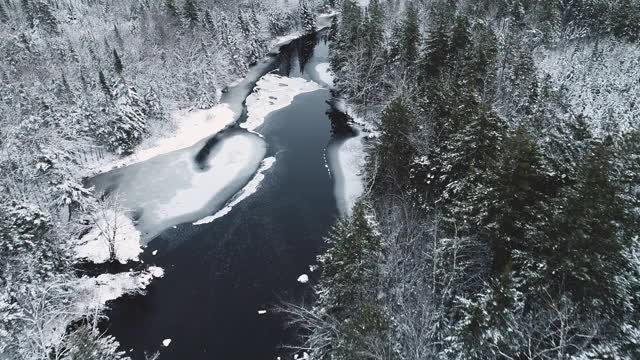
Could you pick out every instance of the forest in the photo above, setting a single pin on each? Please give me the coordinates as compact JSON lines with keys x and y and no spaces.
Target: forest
{"x":83,"y":82}
{"x":501,"y":207}
{"x":500,"y":219}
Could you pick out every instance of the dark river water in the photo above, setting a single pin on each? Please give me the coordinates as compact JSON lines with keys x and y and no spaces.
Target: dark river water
{"x":218,"y":275}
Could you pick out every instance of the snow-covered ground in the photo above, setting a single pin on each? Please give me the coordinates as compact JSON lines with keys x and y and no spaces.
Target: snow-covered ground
{"x":111,"y":230}
{"x":91,"y":295}
{"x":272,"y":93}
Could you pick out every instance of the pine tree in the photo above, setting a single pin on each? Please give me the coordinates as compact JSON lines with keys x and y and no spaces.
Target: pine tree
{"x":436,"y":52}
{"x":45,"y":17}
{"x":118,"y":37}
{"x":170,"y":6}
{"x":410,"y":35}
{"x":394,"y":153}
{"x":117,"y":63}
{"x":348,"y":287}
{"x":103,"y":84}
{"x":307,"y":18}
{"x":190,"y":11}
{"x":27,"y":10}
{"x":125,"y":128}
{"x":3,"y":14}
{"x":373,"y":28}
{"x":625,"y":20}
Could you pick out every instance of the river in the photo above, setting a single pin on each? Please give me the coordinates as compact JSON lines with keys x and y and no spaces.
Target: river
{"x":219,"y":275}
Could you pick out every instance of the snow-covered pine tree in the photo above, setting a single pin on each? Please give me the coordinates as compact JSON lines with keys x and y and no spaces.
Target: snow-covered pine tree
{"x":390,"y":167}
{"x":117,"y":63}
{"x":125,"y":124}
{"x":307,"y":17}
{"x":191,"y":13}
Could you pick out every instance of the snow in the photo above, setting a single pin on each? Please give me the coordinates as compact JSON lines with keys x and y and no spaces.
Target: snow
{"x":281,"y":41}
{"x":95,"y":292}
{"x":110,"y":227}
{"x":190,"y":127}
{"x":247,"y":191}
{"x":347,"y":161}
{"x":166,"y":342}
{"x":273,"y":92}
{"x":599,"y":80}
{"x":303,"y":279}
{"x":324,"y":74}
{"x":235,"y":160}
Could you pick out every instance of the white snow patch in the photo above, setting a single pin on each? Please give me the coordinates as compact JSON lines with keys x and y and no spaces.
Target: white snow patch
{"x":110,"y":227}
{"x":95,"y":292}
{"x":166,"y":342}
{"x":247,"y":191}
{"x":324,"y":74}
{"x":280,"y":41}
{"x":273,"y":92}
{"x":347,"y":160}
{"x":303,"y":279}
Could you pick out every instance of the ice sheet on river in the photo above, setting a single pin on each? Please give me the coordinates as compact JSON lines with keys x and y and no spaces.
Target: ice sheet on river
{"x":273,"y":92}
{"x":172,"y":188}
{"x":346,"y":160}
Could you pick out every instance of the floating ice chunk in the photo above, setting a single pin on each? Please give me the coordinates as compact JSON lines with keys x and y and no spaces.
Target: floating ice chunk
{"x":154,"y":253}
{"x":156,"y":271}
{"x":303,"y":279}
{"x":262,"y":312}
{"x":313,"y":268}
{"x":166,"y":342}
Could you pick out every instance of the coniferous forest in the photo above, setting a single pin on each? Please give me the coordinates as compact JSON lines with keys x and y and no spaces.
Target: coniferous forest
{"x":500,"y":211}
{"x":500,"y":218}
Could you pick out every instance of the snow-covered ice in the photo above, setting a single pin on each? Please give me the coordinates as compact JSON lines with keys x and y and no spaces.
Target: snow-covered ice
{"x":347,"y":160}
{"x":262,"y":312}
{"x":247,"y":191}
{"x":166,"y":342}
{"x":171,"y":189}
{"x":272,"y":93}
{"x":110,"y":228}
{"x":303,"y":279}
{"x":324,"y":74}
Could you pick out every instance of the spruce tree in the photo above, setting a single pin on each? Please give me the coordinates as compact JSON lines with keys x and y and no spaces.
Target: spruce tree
{"x":190,"y":12}
{"x":394,"y":152}
{"x":3,"y":14}
{"x":307,"y":18}
{"x":103,"y":84}
{"x":117,"y":62}
{"x":410,"y":35}
{"x":349,"y":286}
{"x":170,"y":6}
{"x":436,"y":52}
